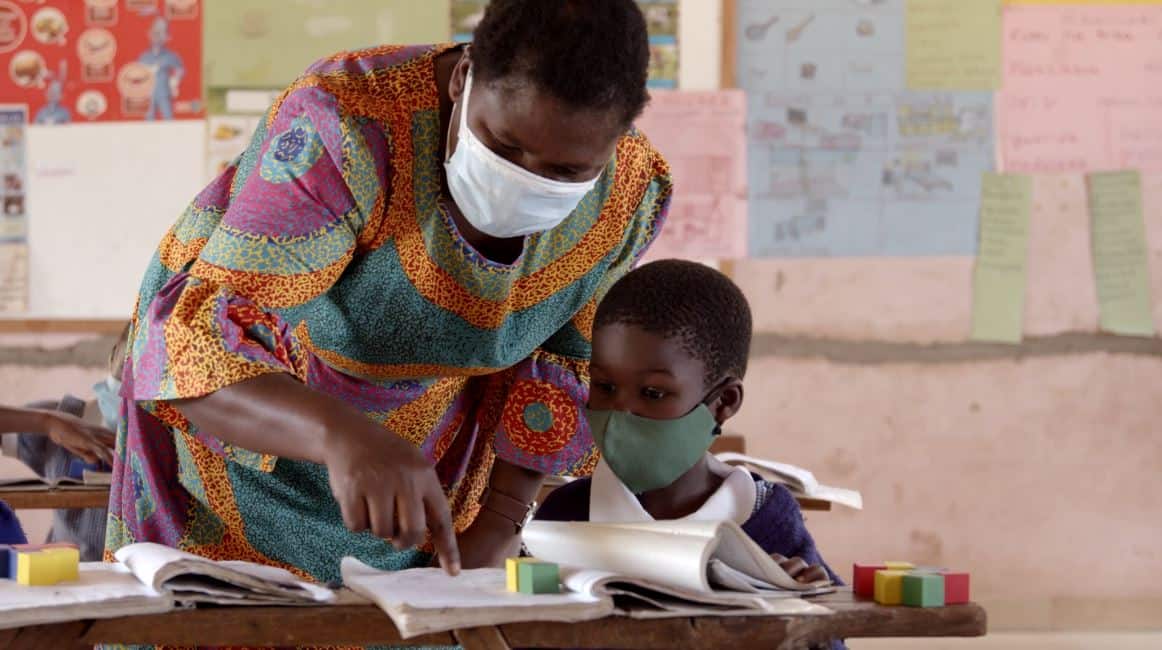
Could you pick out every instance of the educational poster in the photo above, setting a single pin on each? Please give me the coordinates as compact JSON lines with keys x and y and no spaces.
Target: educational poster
{"x":1121,"y":257}
{"x":269,"y":43}
{"x":844,"y":160}
{"x":953,"y":44}
{"x":1082,"y":89}
{"x":702,"y":135}
{"x":661,"y":20}
{"x":102,"y":60}
{"x":1001,"y":272}
{"x":13,"y":277}
{"x":14,"y":170}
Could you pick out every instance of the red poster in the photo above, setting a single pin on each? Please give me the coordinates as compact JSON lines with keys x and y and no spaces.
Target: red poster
{"x":102,"y":60}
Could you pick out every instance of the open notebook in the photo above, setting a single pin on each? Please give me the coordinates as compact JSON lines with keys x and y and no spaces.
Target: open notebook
{"x":799,"y":481}
{"x":90,"y":480}
{"x":152,"y":579}
{"x":651,"y":570}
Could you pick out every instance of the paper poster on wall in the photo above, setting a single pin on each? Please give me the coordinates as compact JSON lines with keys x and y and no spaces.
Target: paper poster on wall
{"x":1081,"y":89}
{"x":13,"y":277}
{"x":1120,"y":254}
{"x":1001,"y":272}
{"x":269,"y":43}
{"x":953,"y":44}
{"x":703,"y":137}
{"x":228,"y":137}
{"x":14,"y":173}
{"x":843,"y":159}
{"x":102,"y":60}
{"x":661,"y":21}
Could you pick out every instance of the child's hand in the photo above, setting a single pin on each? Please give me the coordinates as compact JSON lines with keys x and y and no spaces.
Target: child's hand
{"x":797,"y":568}
{"x":91,"y":442}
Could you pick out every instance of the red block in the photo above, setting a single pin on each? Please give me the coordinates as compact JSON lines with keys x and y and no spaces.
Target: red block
{"x":955,"y":587}
{"x":863,"y":579}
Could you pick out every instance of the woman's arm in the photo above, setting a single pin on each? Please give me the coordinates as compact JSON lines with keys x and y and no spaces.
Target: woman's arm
{"x":381,"y":481}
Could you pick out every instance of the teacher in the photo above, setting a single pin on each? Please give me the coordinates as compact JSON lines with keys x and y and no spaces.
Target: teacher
{"x":370,"y":335}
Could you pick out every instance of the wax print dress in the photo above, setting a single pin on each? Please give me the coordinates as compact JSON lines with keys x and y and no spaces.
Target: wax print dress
{"x":326,"y":252}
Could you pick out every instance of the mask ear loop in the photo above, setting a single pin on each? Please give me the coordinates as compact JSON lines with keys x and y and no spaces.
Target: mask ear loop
{"x":713,"y":395}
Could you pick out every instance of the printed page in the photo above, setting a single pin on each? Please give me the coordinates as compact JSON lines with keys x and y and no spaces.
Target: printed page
{"x":102,"y":591}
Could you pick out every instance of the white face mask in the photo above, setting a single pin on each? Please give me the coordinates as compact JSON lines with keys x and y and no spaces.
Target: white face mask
{"x":500,"y":198}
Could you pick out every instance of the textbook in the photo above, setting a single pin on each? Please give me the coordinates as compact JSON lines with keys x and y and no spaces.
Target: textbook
{"x":90,"y":480}
{"x":153,"y":579}
{"x":799,"y":481}
{"x":649,"y":570}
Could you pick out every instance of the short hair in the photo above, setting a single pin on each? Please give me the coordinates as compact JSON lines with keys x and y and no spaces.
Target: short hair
{"x":688,"y":301}
{"x":589,"y":54}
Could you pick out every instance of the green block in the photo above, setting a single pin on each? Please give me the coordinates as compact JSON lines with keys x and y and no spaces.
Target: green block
{"x":534,"y":577}
{"x":923,"y":590}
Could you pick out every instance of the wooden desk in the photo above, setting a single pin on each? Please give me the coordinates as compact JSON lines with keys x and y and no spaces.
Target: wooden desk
{"x":56,"y":499}
{"x":59,"y":499}
{"x":363,"y":625}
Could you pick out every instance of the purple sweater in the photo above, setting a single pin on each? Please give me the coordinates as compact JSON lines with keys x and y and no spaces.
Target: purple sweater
{"x":776,"y":524}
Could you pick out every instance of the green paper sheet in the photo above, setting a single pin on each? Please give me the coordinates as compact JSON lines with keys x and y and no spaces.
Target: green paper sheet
{"x":1120,"y":255}
{"x":998,"y":302}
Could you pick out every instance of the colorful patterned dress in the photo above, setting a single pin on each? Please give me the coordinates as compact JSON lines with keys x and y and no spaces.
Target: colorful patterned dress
{"x":326,"y":252}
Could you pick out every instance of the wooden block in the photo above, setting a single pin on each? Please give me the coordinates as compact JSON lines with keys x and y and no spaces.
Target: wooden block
{"x":863,"y":579}
{"x":535,"y":577}
{"x":923,"y":590}
{"x":889,"y":586}
{"x":899,"y":566}
{"x":956,"y":590}
{"x":510,"y":572}
{"x":47,"y":567}
{"x":9,"y":554}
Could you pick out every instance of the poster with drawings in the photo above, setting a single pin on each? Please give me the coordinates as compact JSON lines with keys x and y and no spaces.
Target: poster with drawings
{"x":102,"y":60}
{"x":13,"y":173}
{"x":844,"y":160}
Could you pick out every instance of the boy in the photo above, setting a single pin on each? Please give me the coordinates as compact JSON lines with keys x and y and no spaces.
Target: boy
{"x":59,"y":437}
{"x":670,"y":346}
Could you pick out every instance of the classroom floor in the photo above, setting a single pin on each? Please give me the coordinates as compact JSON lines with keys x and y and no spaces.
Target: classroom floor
{"x":1022,"y":641}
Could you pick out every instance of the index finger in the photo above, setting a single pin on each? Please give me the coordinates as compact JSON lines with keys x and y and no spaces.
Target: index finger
{"x":443,"y":533}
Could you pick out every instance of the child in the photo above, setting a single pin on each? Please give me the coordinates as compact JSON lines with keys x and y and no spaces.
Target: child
{"x":670,"y":346}
{"x":58,"y":437}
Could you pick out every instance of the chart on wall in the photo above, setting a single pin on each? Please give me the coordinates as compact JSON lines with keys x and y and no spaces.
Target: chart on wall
{"x":76,"y":61}
{"x":13,"y":215}
{"x":268,"y":44}
{"x":854,"y":148}
{"x":661,"y":20}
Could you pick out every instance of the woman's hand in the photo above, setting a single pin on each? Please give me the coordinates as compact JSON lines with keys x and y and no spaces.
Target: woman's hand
{"x":489,"y":541}
{"x":384,"y":484}
{"x":91,"y":442}
{"x":797,"y":568}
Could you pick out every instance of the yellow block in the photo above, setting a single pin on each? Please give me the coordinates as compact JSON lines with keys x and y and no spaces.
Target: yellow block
{"x":510,"y":572}
{"x":890,"y":587}
{"x":899,"y":566}
{"x":48,"y":566}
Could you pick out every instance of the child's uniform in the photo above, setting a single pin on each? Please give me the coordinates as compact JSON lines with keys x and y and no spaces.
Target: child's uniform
{"x":766,"y":511}
{"x":83,"y":527}
{"x":10,"y":530}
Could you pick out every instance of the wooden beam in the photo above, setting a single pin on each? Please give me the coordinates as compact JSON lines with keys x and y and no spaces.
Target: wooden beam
{"x":56,"y":499}
{"x":62,"y":326}
{"x":729,"y":44}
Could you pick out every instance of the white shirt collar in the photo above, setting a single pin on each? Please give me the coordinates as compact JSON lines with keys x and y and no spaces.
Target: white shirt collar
{"x":610,"y":501}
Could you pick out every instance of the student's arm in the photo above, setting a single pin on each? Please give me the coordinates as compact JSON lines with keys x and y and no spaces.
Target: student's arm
{"x":91,"y":442}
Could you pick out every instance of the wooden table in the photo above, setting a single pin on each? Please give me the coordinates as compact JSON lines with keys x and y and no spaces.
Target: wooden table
{"x":362,"y":625}
{"x":99,"y":498}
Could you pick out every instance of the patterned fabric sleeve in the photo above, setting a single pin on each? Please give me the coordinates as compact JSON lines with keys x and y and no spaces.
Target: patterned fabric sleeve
{"x":299,"y":200}
{"x":543,"y":424}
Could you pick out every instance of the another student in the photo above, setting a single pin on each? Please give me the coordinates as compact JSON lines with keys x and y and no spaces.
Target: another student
{"x":60,"y":437}
{"x":670,"y":346}
{"x":10,"y":530}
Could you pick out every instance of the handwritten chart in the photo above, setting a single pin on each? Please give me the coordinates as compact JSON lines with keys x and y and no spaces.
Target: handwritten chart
{"x":1120,"y":255}
{"x":844,"y":159}
{"x":998,"y":303}
{"x":1082,"y":89}
{"x":702,"y":135}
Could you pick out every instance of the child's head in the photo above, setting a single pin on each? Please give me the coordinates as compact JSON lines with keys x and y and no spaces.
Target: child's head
{"x":669,"y":336}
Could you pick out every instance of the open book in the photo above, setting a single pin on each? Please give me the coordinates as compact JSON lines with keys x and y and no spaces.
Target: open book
{"x":152,"y":579}
{"x":90,"y":480}
{"x":799,"y":481}
{"x":653,"y":570}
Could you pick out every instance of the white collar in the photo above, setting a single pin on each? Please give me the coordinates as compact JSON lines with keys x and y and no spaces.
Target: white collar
{"x":611,"y":501}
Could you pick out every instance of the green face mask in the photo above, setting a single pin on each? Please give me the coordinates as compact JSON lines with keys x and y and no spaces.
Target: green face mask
{"x":650,"y":454}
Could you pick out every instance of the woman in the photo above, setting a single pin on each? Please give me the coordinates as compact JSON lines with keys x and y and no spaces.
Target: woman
{"x":375,"y":325}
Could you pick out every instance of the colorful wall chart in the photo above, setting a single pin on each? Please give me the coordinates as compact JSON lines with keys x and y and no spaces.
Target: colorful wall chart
{"x":102,"y":60}
{"x":845,"y":159}
{"x":13,"y":210}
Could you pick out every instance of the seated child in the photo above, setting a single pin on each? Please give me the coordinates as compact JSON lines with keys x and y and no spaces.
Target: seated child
{"x":59,"y":437}
{"x":10,"y":530}
{"x":670,"y":346}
